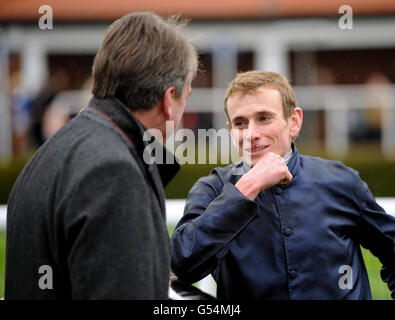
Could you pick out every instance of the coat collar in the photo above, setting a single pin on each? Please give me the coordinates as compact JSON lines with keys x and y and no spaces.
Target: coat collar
{"x":294,"y":162}
{"x":126,"y":123}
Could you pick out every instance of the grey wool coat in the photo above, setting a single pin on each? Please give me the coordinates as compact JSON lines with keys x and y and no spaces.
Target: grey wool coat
{"x":86,"y":217}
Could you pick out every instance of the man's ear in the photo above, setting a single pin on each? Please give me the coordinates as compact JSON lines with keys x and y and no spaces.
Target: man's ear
{"x":168,"y":101}
{"x":229,"y":126}
{"x":296,"y":120}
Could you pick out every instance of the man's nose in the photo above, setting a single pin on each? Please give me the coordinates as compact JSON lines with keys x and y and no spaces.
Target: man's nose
{"x":253,"y":131}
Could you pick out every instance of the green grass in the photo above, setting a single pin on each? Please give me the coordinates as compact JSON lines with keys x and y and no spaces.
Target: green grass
{"x":2,"y":263}
{"x":380,"y":290}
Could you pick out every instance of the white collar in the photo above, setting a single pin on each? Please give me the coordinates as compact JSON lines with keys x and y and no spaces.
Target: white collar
{"x":288,"y":157}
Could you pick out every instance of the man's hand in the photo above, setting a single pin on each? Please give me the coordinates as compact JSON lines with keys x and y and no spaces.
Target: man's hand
{"x":268,"y":171}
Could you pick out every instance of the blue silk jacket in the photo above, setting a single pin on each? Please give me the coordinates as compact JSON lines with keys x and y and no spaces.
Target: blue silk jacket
{"x":295,"y":241}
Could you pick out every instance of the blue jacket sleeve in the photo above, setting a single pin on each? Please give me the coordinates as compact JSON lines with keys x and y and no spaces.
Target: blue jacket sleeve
{"x":212,"y":219}
{"x":376,"y":232}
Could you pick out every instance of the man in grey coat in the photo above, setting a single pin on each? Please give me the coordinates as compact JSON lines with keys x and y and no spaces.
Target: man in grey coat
{"x":86,"y":217}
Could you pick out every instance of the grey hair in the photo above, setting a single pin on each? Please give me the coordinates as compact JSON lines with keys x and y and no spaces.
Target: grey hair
{"x":141,"y":56}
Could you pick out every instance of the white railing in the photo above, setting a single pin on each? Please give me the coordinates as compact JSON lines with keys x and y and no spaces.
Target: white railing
{"x":336,"y":101}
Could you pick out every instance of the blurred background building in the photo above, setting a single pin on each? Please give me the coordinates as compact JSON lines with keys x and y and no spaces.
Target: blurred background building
{"x":343,"y":76}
